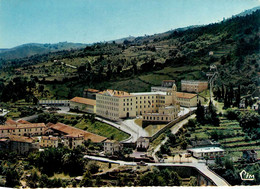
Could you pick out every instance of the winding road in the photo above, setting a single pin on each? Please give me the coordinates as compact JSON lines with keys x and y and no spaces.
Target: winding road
{"x":201,"y":167}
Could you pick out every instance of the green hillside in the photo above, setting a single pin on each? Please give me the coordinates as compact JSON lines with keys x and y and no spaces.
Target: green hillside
{"x":142,"y":62}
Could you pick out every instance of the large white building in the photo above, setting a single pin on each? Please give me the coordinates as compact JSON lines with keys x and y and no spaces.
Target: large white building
{"x":114,"y":105}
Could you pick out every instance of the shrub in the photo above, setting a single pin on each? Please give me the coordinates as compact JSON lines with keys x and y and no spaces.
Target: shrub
{"x":232,"y":114}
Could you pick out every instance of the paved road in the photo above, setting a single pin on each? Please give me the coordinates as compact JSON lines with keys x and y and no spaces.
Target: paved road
{"x":219,"y":181}
{"x":109,"y":160}
{"x":28,"y":118}
{"x":157,"y":148}
{"x":131,"y":124}
{"x":178,"y":125}
{"x":125,"y":128}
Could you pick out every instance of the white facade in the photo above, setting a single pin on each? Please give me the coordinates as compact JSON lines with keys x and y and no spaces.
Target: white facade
{"x":210,"y":152}
{"x":54,"y":102}
{"x":114,"y":105}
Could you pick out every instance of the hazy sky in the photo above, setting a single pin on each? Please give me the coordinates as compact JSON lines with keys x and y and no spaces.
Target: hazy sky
{"x":87,"y":21}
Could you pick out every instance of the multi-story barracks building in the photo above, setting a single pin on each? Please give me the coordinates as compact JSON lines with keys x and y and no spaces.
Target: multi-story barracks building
{"x":153,"y":106}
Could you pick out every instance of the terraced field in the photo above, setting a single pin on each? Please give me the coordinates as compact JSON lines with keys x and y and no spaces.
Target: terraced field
{"x":232,"y":138}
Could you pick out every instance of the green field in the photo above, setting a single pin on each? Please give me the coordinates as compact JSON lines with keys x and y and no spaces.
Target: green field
{"x":102,"y":129}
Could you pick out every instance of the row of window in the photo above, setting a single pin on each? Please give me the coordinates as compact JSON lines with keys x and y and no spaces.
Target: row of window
{"x":107,"y":107}
{"x":107,"y":98}
{"x":106,"y":102}
{"x":127,"y":109}
{"x":156,"y":118}
{"x":127,"y":100}
{"x":148,"y":97}
{"x":18,"y":130}
{"x":101,"y":112}
{"x":183,"y":99}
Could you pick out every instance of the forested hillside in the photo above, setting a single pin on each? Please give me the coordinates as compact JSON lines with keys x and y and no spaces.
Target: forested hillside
{"x":142,"y":62}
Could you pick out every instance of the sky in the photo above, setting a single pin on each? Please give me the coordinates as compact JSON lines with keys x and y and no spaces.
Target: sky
{"x":88,"y":21}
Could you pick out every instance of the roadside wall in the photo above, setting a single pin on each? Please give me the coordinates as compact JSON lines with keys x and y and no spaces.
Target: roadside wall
{"x":169,"y":125}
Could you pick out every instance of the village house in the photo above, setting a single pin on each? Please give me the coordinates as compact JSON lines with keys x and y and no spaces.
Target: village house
{"x":49,"y":141}
{"x":210,"y":152}
{"x":111,"y":147}
{"x":83,"y":104}
{"x":72,"y":141}
{"x":187,"y":99}
{"x":250,"y":155}
{"x":32,"y":129}
{"x":54,"y":102}
{"x":142,"y":144}
{"x":165,"y":86}
{"x":19,"y":144}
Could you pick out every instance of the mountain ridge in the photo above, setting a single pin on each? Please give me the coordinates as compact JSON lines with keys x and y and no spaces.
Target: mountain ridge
{"x":30,"y":49}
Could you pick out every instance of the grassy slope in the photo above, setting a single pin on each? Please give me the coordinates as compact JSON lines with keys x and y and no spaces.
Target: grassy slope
{"x":102,"y":129}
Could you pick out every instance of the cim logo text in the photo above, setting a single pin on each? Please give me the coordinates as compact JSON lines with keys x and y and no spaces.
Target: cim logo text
{"x":246,"y":176}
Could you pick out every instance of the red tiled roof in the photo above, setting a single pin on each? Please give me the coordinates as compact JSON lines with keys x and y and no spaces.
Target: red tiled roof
{"x":31,"y":125}
{"x":92,"y":90}
{"x":23,"y":121}
{"x":84,"y":101}
{"x":185,"y":95}
{"x":49,"y":124}
{"x":75,"y":131}
{"x":17,"y":138}
{"x":10,"y":122}
{"x":22,"y":126}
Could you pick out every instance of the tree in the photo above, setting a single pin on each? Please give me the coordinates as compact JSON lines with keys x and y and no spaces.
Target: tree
{"x":193,"y":181}
{"x":172,"y":138}
{"x":200,"y":115}
{"x":232,"y":114}
{"x":180,"y":157}
{"x":2,"y":120}
{"x":89,"y":67}
{"x":238,"y":96}
{"x":134,"y":68}
{"x":212,"y":116}
{"x":249,"y":121}
{"x":184,"y":144}
{"x":109,"y":71}
{"x":12,"y":178}
{"x":206,"y":158}
{"x":41,"y":88}
{"x":93,"y":167}
{"x":86,"y":180}
{"x":246,"y":103}
{"x":32,"y":180}
{"x":119,"y":69}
